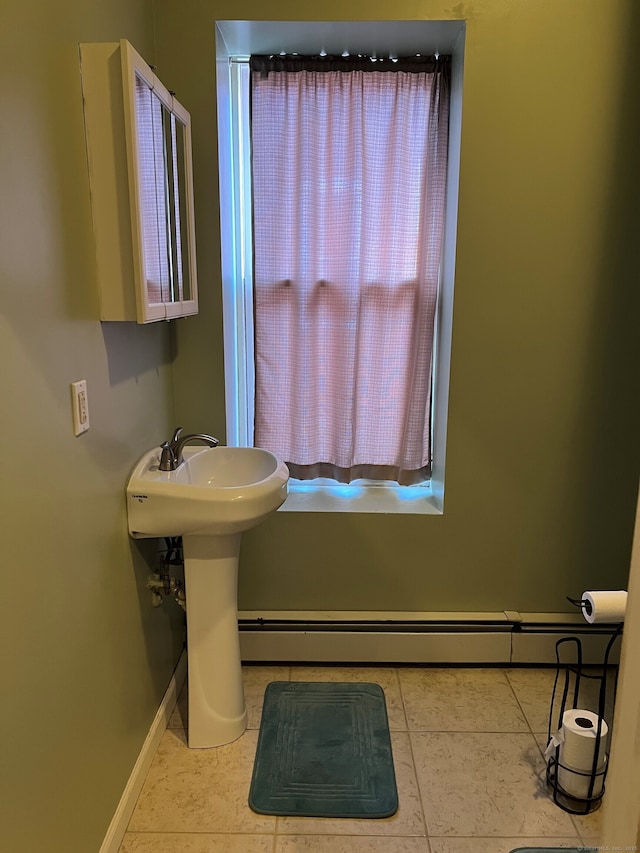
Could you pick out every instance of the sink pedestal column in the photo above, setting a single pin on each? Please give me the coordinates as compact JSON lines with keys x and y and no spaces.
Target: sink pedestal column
{"x":217,"y":712}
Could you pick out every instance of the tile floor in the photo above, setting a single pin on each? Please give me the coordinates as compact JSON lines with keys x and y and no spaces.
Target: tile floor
{"x":467,"y":745}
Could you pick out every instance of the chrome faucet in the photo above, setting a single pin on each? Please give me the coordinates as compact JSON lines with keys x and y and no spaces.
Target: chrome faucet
{"x":172,"y":451}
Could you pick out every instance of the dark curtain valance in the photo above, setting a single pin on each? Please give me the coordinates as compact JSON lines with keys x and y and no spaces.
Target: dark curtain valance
{"x":294,"y":62}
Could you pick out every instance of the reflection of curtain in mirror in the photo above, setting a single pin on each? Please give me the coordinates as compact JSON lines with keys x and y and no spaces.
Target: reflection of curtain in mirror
{"x":177,"y":272}
{"x":349,"y":174}
{"x":153,"y":200}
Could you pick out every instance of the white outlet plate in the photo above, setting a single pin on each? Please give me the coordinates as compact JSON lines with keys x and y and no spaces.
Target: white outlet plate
{"x":80,"y":406}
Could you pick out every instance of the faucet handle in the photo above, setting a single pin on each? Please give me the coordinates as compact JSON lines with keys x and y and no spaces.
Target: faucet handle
{"x":176,"y":435}
{"x":167,"y":457}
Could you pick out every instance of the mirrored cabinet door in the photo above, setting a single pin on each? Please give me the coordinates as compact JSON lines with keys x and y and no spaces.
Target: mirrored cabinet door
{"x":159,"y":141}
{"x":152,"y":169}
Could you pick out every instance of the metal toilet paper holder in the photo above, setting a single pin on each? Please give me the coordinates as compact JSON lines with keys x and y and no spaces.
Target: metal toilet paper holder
{"x":573,"y":674}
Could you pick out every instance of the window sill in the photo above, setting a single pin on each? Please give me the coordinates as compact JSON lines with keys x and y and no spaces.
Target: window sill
{"x":408,"y":500}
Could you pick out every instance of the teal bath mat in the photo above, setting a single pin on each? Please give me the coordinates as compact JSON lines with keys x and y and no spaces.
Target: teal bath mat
{"x":324,"y":751}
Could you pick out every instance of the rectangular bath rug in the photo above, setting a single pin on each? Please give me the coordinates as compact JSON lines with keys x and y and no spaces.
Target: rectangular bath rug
{"x":324,"y":751}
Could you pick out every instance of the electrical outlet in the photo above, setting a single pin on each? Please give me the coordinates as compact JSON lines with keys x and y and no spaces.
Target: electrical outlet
{"x":80,"y":406}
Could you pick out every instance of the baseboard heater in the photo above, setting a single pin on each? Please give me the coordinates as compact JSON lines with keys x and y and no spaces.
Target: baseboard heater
{"x":503,"y":638}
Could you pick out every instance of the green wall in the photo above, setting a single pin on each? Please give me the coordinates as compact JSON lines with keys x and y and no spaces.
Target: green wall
{"x":86,"y":659}
{"x":542,"y":462}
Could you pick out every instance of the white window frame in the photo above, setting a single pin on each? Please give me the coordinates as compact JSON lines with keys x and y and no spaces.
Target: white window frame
{"x":235,"y":41}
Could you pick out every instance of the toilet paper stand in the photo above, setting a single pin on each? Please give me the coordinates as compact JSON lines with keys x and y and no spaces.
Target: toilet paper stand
{"x":592,"y":781}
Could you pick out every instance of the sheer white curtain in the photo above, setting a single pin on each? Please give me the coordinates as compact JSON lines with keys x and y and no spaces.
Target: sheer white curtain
{"x":349,"y":174}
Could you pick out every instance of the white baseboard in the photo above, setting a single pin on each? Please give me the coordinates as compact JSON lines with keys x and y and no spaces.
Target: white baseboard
{"x":540,"y":648}
{"x":120,"y":820}
{"x":363,"y":647}
{"x":429,"y":638}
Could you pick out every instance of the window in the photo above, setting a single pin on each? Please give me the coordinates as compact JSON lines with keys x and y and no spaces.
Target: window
{"x":299,"y":297}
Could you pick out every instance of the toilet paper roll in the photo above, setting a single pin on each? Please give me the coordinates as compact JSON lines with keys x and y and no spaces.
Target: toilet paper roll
{"x":578,"y":738}
{"x":579,"y":735}
{"x":604,"y":605}
{"x":577,"y":783}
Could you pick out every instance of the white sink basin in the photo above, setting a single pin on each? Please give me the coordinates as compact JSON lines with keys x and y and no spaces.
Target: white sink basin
{"x":214,"y":491}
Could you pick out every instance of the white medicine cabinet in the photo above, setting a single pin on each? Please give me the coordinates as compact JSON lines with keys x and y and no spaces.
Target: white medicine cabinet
{"x":140,"y":174}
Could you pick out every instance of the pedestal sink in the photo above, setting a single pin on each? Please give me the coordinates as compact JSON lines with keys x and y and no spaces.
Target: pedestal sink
{"x":213,"y":496}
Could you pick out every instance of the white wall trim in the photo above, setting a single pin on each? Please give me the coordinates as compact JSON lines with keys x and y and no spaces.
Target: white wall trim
{"x":508,"y":637}
{"x":120,"y":820}
{"x":460,"y":616}
{"x":621,"y":812}
{"x":362,"y":647}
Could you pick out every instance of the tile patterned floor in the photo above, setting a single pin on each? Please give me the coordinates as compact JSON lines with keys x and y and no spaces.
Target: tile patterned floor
{"x":467,"y":747}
